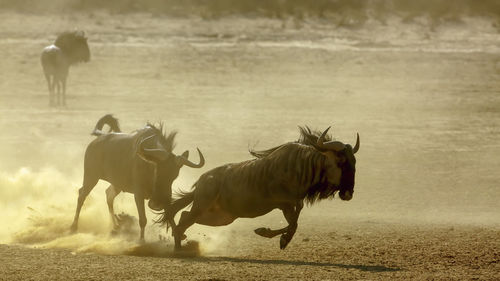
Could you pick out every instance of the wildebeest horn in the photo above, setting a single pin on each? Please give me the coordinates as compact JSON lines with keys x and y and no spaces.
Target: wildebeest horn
{"x":331,"y":145}
{"x":356,"y":147}
{"x":322,"y":137}
{"x":188,"y":163}
{"x":158,"y":153}
{"x":145,"y":139}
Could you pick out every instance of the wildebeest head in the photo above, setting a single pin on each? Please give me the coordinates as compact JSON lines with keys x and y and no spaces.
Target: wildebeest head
{"x":74,"y":45}
{"x":340,"y":163}
{"x":158,"y":148}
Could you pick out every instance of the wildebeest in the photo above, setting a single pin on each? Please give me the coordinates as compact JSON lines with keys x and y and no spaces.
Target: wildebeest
{"x":141,"y":163}
{"x":69,"y":48}
{"x":283,"y":177}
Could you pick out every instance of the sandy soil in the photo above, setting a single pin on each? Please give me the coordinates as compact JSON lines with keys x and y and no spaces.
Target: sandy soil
{"x":425,"y":103}
{"x":344,"y":250}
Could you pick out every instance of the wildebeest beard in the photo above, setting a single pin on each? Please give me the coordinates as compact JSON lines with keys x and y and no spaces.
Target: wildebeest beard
{"x":319,"y":191}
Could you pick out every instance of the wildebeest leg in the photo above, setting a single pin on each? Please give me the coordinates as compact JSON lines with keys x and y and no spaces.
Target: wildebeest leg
{"x":83,"y":192}
{"x":111,"y":193}
{"x":291,"y":216}
{"x":188,"y":218}
{"x":269,"y":233}
{"x":57,"y":86}
{"x":288,"y":211}
{"x":204,"y":197}
{"x":63,"y":90}
{"x":50,"y":85}
{"x":139,"y":202}
{"x":171,"y":224}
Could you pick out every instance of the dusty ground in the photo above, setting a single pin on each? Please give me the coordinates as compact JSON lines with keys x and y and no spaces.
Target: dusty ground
{"x":425,"y":103}
{"x":344,"y":250}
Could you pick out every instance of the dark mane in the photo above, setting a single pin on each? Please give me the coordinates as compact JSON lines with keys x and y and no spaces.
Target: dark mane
{"x":168,"y":141}
{"x":74,"y":45}
{"x":302,"y":161}
{"x":310,"y":137}
{"x":307,"y":137}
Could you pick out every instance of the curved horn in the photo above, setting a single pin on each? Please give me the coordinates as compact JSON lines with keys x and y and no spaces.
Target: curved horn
{"x":331,"y":145}
{"x":145,"y":139}
{"x":188,"y":163}
{"x":356,"y":147}
{"x":158,"y":153}
{"x":322,"y":137}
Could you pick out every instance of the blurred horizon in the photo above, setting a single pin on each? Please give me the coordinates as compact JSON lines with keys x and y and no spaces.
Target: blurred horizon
{"x":358,"y":11}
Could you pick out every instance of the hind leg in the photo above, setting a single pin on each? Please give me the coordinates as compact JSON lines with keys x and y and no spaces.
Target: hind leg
{"x":205,"y":197}
{"x":111,"y":193}
{"x":83,"y":192}
{"x":187,"y":219}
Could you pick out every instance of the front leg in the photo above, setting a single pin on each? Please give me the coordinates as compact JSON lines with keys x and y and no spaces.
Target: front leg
{"x":291,"y":216}
{"x":63,"y":92}
{"x":139,"y":201}
{"x":291,"y":213}
{"x":270,"y":233}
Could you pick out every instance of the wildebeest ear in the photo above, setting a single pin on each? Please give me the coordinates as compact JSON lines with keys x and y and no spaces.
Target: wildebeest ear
{"x":185,"y":154}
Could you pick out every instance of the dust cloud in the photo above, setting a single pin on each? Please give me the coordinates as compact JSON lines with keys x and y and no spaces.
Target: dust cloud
{"x":37,"y":208}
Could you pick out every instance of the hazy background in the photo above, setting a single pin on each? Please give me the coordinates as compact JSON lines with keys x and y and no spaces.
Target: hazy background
{"x":419,"y":82}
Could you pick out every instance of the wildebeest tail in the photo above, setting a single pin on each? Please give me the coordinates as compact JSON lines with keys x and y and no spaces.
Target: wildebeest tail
{"x":183,"y":200}
{"x":109,"y":120}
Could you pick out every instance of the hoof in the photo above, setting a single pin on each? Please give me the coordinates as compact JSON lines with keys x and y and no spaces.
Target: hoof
{"x":264,"y":232}
{"x":283,"y":242}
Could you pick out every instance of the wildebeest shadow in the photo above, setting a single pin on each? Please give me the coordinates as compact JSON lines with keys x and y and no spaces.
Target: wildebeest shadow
{"x":191,"y":252}
{"x":371,"y":268}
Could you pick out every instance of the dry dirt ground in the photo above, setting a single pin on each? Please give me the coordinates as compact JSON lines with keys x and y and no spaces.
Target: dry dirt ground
{"x":425,"y":101}
{"x":342,"y":251}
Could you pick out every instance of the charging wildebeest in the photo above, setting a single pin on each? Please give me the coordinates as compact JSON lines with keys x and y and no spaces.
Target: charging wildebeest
{"x":68,"y":49}
{"x":141,"y":163}
{"x":315,"y":167}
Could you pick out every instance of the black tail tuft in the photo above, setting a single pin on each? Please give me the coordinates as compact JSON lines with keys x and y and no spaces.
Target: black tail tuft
{"x":109,"y":120}
{"x":183,"y":200}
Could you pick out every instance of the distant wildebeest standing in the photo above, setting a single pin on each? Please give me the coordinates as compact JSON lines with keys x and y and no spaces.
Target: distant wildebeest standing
{"x":68,"y":49}
{"x":141,"y":163}
{"x":313,"y":168}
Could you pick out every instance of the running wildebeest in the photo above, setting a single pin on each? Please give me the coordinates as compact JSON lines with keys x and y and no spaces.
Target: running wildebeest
{"x":68,"y":49}
{"x":141,"y":163}
{"x":283,"y":177}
